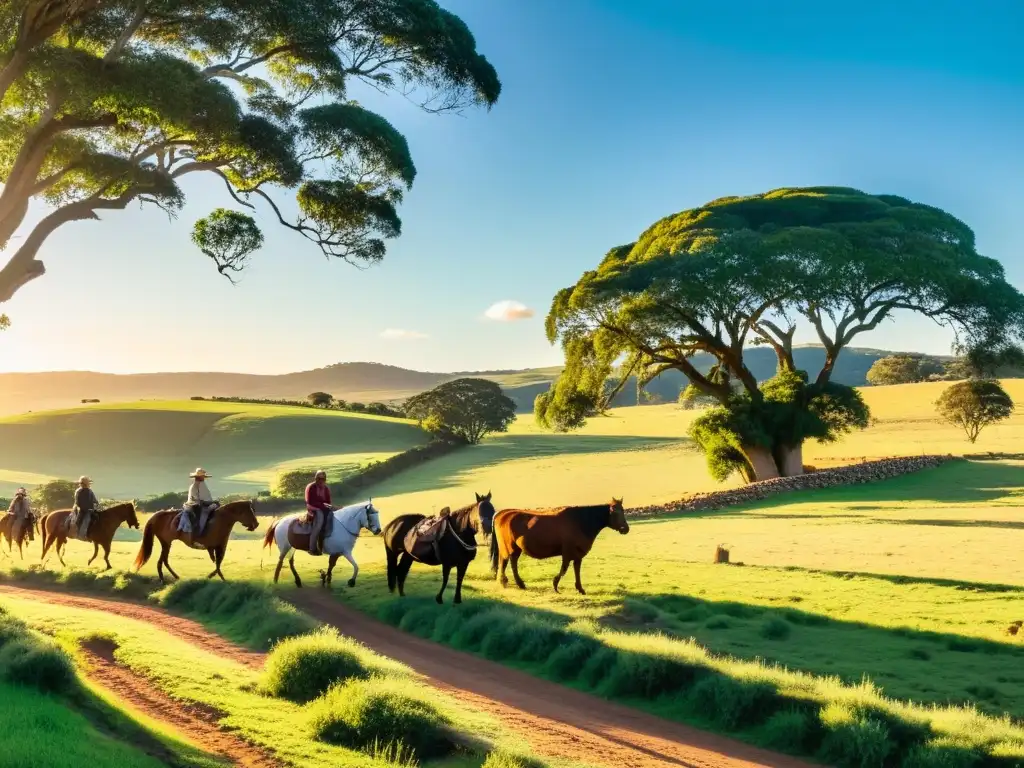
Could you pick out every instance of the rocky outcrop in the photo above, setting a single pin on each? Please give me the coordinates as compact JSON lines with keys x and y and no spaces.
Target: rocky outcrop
{"x":866,"y":472}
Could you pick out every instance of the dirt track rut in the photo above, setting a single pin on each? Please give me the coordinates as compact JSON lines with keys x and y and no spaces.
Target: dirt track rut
{"x":557,"y":721}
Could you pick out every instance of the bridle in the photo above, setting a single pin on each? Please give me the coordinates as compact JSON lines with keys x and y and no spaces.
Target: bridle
{"x":359,"y":529}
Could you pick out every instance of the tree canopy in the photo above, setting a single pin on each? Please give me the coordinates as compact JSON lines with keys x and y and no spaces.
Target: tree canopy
{"x":464,"y":409}
{"x":320,"y":399}
{"x":110,"y":102}
{"x":974,"y":404}
{"x":744,"y":271}
{"x":903,"y":369}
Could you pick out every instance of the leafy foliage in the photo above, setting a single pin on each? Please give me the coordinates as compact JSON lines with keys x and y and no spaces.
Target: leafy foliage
{"x":110,"y":103}
{"x":744,"y":271}
{"x":466,"y":409}
{"x":974,"y":404}
{"x":56,"y":494}
{"x":903,"y":369}
{"x":320,"y":399}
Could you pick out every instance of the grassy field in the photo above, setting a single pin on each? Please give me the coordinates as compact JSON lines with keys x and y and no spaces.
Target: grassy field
{"x":144,"y":448}
{"x":914,"y":583}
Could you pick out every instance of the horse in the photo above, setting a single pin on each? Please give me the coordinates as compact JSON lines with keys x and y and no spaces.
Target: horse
{"x":348,"y":523}
{"x":565,"y":531}
{"x":163,"y":526}
{"x":7,"y":528}
{"x":105,"y":522}
{"x":456,"y":547}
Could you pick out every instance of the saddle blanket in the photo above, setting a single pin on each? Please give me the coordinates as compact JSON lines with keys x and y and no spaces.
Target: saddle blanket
{"x":423,"y":538}
{"x":83,"y":531}
{"x":303,"y":525}
{"x":183,"y":522}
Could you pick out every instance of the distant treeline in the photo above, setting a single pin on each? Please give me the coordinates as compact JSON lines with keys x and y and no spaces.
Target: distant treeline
{"x":374,"y":409}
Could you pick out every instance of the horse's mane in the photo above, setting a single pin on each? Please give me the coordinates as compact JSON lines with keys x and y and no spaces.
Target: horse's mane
{"x":591,"y":518}
{"x":463,"y":516}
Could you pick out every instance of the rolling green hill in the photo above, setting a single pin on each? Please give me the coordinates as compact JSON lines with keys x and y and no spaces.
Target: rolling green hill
{"x":138,"y":449}
{"x":363,"y":382}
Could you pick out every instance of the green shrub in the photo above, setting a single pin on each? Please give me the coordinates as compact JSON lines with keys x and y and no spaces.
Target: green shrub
{"x":788,"y":731}
{"x":730,"y":703}
{"x":648,"y":675}
{"x":775,"y":629}
{"x":853,"y":740}
{"x":718,"y":621}
{"x":364,"y":714}
{"x":941,"y":754}
{"x":37,"y":662}
{"x":566,"y":662}
{"x":301,"y":669}
{"x":292,"y":484}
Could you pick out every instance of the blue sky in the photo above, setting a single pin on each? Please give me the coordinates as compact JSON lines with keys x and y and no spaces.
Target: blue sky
{"x":614,"y":113}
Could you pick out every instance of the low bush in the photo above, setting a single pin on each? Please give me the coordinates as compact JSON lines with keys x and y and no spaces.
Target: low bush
{"x":246,"y":613}
{"x":501,"y":759}
{"x":303,"y":668}
{"x":30,"y":659}
{"x":365,"y":714}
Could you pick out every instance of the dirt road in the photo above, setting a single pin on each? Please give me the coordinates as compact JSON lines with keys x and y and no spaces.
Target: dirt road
{"x":557,"y":721}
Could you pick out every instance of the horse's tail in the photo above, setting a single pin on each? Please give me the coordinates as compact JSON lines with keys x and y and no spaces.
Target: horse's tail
{"x":42,"y":532}
{"x":146,"y":550}
{"x":494,"y":550}
{"x":268,"y":538}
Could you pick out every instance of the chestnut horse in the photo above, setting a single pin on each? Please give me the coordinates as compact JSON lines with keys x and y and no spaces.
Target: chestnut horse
{"x":7,"y":528}
{"x":163,"y":526}
{"x":544,"y":533}
{"x":457,"y":547}
{"x":54,"y":531}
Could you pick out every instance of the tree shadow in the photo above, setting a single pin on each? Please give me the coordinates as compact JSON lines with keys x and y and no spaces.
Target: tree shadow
{"x":454,"y":469}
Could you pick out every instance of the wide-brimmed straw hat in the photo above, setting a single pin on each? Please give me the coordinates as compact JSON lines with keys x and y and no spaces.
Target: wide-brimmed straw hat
{"x":84,"y":480}
{"x":200,"y":474}
{"x":21,"y":492}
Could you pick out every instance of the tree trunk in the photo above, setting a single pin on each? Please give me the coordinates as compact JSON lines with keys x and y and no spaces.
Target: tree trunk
{"x":761,"y":461}
{"x":790,"y":459}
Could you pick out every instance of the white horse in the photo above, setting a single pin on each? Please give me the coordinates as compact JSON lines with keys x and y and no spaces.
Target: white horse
{"x":348,"y":523}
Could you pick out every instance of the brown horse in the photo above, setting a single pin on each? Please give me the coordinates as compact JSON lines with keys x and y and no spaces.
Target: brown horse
{"x":565,"y":531}
{"x":163,"y":526}
{"x":7,"y":528}
{"x":54,"y":531}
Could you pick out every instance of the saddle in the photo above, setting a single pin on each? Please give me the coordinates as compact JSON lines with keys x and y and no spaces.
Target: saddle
{"x":303,"y":524}
{"x":83,"y":533}
{"x":425,"y":537}
{"x":187,"y":521}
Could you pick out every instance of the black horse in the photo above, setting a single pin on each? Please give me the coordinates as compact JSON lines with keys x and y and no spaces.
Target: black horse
{"x":456,"y":547}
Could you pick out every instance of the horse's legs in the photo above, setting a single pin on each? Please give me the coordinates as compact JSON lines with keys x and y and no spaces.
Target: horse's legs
{"x":404,"y":564}
{"x":221,"y":551}
{"x":565,"y":567}
{"x":392,"y":568}
{"x":61,"y":543}
{"x":325,"y":576}
{"x":514,"y":559}
{"x":576,"y":567}
{"x":106,"y":556}
{"x":95,"y":553}
{"x":445,"y":571}
{"x":277,"y":571}
{"x":502,"y":578}
{"x":460,"y":574}
{"x":160,"y":561}
{"x":355,"y":569}
{"x":291,"y":564}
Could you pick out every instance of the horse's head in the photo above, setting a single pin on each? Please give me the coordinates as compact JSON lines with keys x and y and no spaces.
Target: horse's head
{"x":370,"y":518}
{"x":248,"y":516}
{"x":485,"y":511}
{"x":130,"y":515}
{"x":617,"y":516}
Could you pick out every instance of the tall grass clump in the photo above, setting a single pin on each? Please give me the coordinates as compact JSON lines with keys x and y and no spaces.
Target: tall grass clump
{"x":246,"y":613}
{"x":502,"y":759}
{"x":121,"y":583}
{"x":365,"y":714}
{"x":303,"y":668}
{"x":30,"y":659}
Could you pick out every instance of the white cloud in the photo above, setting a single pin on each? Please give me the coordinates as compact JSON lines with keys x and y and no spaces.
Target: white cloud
{"x":508,"y":311}
{"x":401,"y":333}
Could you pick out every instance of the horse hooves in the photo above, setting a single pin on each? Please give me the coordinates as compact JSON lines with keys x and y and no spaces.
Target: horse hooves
{"x":457,"y":601}
{"x":581,"y":591}
{"x":351,"y":582}
{"x":440,"y":600}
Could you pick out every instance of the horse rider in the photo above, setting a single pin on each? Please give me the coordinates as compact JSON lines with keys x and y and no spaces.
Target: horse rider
{"x":22,"y":514}
{"x":318,"y":506}
{"x":86,"y":505}
{"x":200,"y":500}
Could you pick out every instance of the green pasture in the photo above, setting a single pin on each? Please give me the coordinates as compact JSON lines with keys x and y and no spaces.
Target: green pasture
{"x":146,"y":448}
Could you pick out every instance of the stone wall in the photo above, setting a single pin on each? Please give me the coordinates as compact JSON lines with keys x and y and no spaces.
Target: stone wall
{"x":865,"y":472}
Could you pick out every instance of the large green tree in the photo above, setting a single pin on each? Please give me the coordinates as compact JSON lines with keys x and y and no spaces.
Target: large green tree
{"x":464,"y":409}
{"x":110,"y":102}
{"x":746,"y":270}
{"x":903,"y":369}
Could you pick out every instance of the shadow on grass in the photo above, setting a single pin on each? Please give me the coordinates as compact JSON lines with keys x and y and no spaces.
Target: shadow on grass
{"x":451,"y":471}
